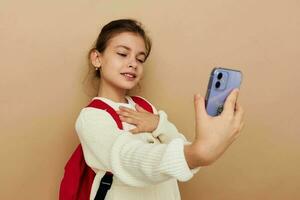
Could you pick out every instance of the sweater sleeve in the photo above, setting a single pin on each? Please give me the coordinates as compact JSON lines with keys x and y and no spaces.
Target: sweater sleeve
{"x":167,"y":131}
{"x":134,"y":161}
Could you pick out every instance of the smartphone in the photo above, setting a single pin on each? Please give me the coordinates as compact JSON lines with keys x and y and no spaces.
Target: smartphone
{"x":222,"y":81}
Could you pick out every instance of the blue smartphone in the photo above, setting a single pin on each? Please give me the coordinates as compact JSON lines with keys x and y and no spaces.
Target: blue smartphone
{"x":222,"y":81}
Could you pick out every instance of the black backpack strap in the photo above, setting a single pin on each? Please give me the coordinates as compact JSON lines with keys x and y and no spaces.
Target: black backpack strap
{"x":105,"y":185}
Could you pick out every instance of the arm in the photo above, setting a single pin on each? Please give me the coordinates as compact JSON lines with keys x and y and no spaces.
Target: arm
{"x":133,"y":161}
{"x":214,"y":134}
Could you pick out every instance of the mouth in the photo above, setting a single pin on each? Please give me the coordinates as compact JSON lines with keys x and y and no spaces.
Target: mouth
{"x":129,"y":77}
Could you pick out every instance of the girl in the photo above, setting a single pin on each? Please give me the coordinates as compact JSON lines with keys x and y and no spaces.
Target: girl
{"x":149,"y":155}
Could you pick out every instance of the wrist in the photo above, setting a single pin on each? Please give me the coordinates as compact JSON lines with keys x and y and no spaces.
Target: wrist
{"x":199,"y":154}
{"x":190,"y":156}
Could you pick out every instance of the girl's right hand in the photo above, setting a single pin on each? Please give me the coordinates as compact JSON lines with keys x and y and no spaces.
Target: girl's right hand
{"x":214,"y":134}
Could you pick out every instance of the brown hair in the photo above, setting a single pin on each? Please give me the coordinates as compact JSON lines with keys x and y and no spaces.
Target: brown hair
{"x":112,"y":29}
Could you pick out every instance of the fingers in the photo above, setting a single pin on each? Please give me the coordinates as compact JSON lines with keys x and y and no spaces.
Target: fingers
{"x":129,"y":120}
{"x":199,"y":104}
{"x":127,"y":113}
{"x":239,"y":116}
{"x":239,"y":112}
{"x":124,"y":113}
{"x":122,"y":108}
{"x":139,"y":108}
{"x":230,"y":102}
{"x":239,"y":119}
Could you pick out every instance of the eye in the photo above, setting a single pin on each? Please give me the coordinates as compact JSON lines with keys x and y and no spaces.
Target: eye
{"x":122,"y":54}
{"x":141,"y":61}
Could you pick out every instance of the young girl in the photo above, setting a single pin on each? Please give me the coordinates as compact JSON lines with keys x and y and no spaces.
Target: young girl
{"x":149,"y":156}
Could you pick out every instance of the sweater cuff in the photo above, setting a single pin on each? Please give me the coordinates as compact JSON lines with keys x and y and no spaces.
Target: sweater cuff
{"x":165,"y":130}
{"x":174,"y":158}
{"x":160,"y":128}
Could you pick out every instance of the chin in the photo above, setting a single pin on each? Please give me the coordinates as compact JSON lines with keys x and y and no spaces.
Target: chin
{"x":129,"y":87}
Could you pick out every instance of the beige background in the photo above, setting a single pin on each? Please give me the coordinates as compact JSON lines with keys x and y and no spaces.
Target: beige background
{"x":43,"y":46}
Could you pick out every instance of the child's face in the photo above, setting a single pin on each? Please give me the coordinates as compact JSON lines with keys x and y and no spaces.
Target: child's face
{"x":125,"y":52}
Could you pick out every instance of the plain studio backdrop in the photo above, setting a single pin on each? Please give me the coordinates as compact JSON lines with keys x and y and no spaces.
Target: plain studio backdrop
{"x":43,"y":48}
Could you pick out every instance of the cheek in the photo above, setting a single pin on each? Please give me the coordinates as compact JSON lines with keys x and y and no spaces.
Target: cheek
{"x":114,"y":65}
{"x":141,"y":69}
{"x":114,"y":61}
{"x":141,"y":72}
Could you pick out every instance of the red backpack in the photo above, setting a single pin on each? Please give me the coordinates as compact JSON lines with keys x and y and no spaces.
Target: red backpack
{"x":78,"y":178}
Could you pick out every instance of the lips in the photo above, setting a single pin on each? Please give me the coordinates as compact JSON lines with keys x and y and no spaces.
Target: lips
{"x":129,"y":74}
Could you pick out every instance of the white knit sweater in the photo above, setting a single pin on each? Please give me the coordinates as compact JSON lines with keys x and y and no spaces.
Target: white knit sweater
{"x":145,"y":165}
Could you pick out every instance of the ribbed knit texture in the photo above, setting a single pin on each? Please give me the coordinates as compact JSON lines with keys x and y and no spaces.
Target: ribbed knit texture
{"x":145,"y":165}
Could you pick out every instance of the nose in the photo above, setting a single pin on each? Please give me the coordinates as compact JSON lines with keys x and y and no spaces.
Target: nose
{"x":133,"y":63}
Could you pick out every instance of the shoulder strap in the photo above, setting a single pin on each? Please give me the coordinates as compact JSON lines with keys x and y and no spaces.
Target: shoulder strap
{"x":97,"y":103}
{"x":143,"y":103}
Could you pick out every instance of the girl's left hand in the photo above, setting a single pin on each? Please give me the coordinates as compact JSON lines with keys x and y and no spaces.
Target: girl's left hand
{"x":142,"y":119}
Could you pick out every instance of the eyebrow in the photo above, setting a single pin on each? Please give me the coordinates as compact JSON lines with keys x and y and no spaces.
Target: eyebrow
{"x":141,"y":52}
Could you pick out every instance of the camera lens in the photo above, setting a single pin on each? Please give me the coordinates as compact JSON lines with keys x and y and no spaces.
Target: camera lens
{"x":220,"y":75}
{"x":217,"y":84}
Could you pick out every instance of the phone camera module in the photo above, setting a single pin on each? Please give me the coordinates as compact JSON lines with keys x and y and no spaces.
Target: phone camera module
{"x":218,"y":84}
{"x":220,"y":75}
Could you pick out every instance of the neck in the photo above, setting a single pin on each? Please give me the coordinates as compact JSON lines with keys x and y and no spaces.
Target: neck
{"x":115,"y":94}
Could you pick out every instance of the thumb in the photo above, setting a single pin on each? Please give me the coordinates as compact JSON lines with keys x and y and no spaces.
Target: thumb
{"x":199,"y":105}
{"x":230,"y":102}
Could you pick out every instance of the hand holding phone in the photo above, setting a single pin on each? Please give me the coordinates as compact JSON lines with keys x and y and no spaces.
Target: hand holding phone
{"x":214,"y":135}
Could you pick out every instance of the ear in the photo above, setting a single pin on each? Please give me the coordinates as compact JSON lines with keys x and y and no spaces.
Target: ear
{"x":95,"y":57}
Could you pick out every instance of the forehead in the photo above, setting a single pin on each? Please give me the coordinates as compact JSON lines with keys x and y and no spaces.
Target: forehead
{"x":132,"y":40}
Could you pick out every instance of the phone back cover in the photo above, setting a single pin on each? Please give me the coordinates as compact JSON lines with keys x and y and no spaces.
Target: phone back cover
{"x":216,"y":97}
